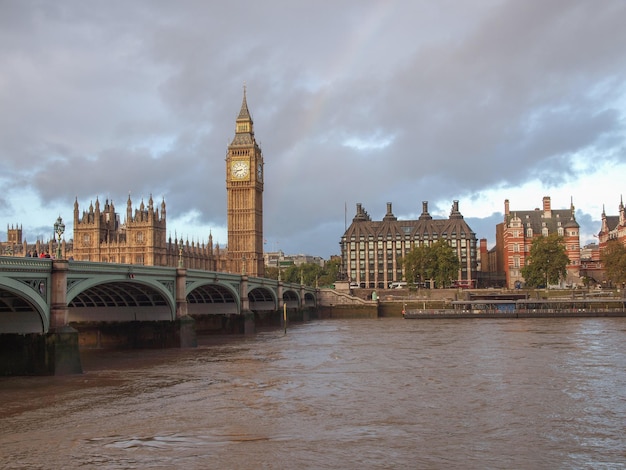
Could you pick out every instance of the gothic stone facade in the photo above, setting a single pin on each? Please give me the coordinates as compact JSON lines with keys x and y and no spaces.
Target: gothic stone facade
{"x":100,"y":236}
{"x":244,"y":188}
{"x":371,"y":250}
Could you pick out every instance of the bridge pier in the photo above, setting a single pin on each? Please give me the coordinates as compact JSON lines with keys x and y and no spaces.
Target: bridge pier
{"x":249,"y":324}
{"x":186,"y":329}
{"x":62,"y":354}
{"x":185,"y":324}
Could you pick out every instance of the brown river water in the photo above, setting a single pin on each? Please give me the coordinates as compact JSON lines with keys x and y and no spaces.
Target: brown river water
{"x":340,"y":394}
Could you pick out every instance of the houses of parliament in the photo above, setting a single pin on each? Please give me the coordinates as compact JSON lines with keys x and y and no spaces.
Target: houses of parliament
{"x":101,"y":236}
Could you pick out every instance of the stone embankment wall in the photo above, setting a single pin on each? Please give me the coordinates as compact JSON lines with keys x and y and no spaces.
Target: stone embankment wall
{"x":337,"y":304}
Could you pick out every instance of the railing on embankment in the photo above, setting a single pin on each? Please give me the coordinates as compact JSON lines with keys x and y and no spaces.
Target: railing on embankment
{"x":452,"y":314}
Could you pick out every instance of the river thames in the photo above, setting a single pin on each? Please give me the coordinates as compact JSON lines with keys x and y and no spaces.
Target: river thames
{"x":349,"y":394}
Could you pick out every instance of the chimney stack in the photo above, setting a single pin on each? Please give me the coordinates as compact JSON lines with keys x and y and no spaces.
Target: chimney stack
{"x":547,"y":211}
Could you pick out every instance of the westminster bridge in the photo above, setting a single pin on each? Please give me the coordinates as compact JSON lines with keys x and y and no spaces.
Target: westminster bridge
{"x":100,"y":303}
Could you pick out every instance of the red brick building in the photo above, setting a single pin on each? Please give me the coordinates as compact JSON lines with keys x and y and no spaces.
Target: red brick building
{"x":613,"y":227}
{"x":515,"y":235}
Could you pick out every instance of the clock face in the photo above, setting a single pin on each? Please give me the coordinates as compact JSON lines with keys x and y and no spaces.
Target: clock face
{"x":259,"y":171}
{"x":239,"y":169}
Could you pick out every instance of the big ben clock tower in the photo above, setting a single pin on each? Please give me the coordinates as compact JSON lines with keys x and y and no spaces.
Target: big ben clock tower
{"x":244,"y":188}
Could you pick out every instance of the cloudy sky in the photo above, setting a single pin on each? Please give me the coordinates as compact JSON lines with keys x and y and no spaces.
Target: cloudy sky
{"x":353,"y":101}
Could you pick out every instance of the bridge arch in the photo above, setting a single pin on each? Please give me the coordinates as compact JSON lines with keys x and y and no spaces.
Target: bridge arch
{"x":291,"y":298}
{"x":310,"y":300}
{"x":111,"y":298}
{"x":262,"y":298}
{"x":212,"y":298}
{"x":22,"y":309}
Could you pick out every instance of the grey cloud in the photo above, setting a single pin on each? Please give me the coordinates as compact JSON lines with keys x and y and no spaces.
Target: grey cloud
{"x":142,"y":96}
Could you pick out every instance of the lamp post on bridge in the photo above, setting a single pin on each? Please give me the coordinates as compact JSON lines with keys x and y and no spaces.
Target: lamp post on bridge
{"x":59,"y":229}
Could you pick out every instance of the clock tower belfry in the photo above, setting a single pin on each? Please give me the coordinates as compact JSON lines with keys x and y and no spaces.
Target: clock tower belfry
{"x":244,"y":188}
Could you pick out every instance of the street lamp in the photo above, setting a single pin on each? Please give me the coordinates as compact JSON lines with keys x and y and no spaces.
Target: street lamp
{"x":59,"y":228}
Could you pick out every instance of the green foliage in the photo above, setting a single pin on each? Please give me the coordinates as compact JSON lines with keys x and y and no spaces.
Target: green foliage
{"x":330,"y":273}
{"x":418,"y":264}
{"x":446,"y":263}
{"x":271,"y":272}
{"x":311,"y":274}
{"x":438,"y":261}
{"x":547,"y":261}
{"x":613,"y":258}
{"x":305,"y":274}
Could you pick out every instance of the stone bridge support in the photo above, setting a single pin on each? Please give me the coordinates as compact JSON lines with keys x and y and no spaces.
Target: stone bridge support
{"x":249,"y":326}
{"x":62,"y":354}
{"x":306,"y":316}
{"x":281,"y":303}
{"x":185,"y":324}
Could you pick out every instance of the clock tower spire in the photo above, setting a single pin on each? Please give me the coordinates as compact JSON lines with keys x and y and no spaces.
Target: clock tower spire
{"x":244,"y":188}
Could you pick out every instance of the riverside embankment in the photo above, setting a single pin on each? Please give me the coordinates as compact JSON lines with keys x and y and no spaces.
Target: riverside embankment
{"x":447,"y":303}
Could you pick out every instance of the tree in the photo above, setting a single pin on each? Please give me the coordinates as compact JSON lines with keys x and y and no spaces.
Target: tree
{"x":418,"y":264}
{"x":446,"y":263}
{"x":329,"y":273}
{"x":312,"y":274}
{"x":547,"y":261}
{"x":613,"y":258}
{"x":271,"y":272}
{"x":438,"y":261}
{"x":306,"y":273}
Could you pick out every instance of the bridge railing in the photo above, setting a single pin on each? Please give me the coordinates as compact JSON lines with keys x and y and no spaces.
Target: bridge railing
{"x":9,"y":263}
